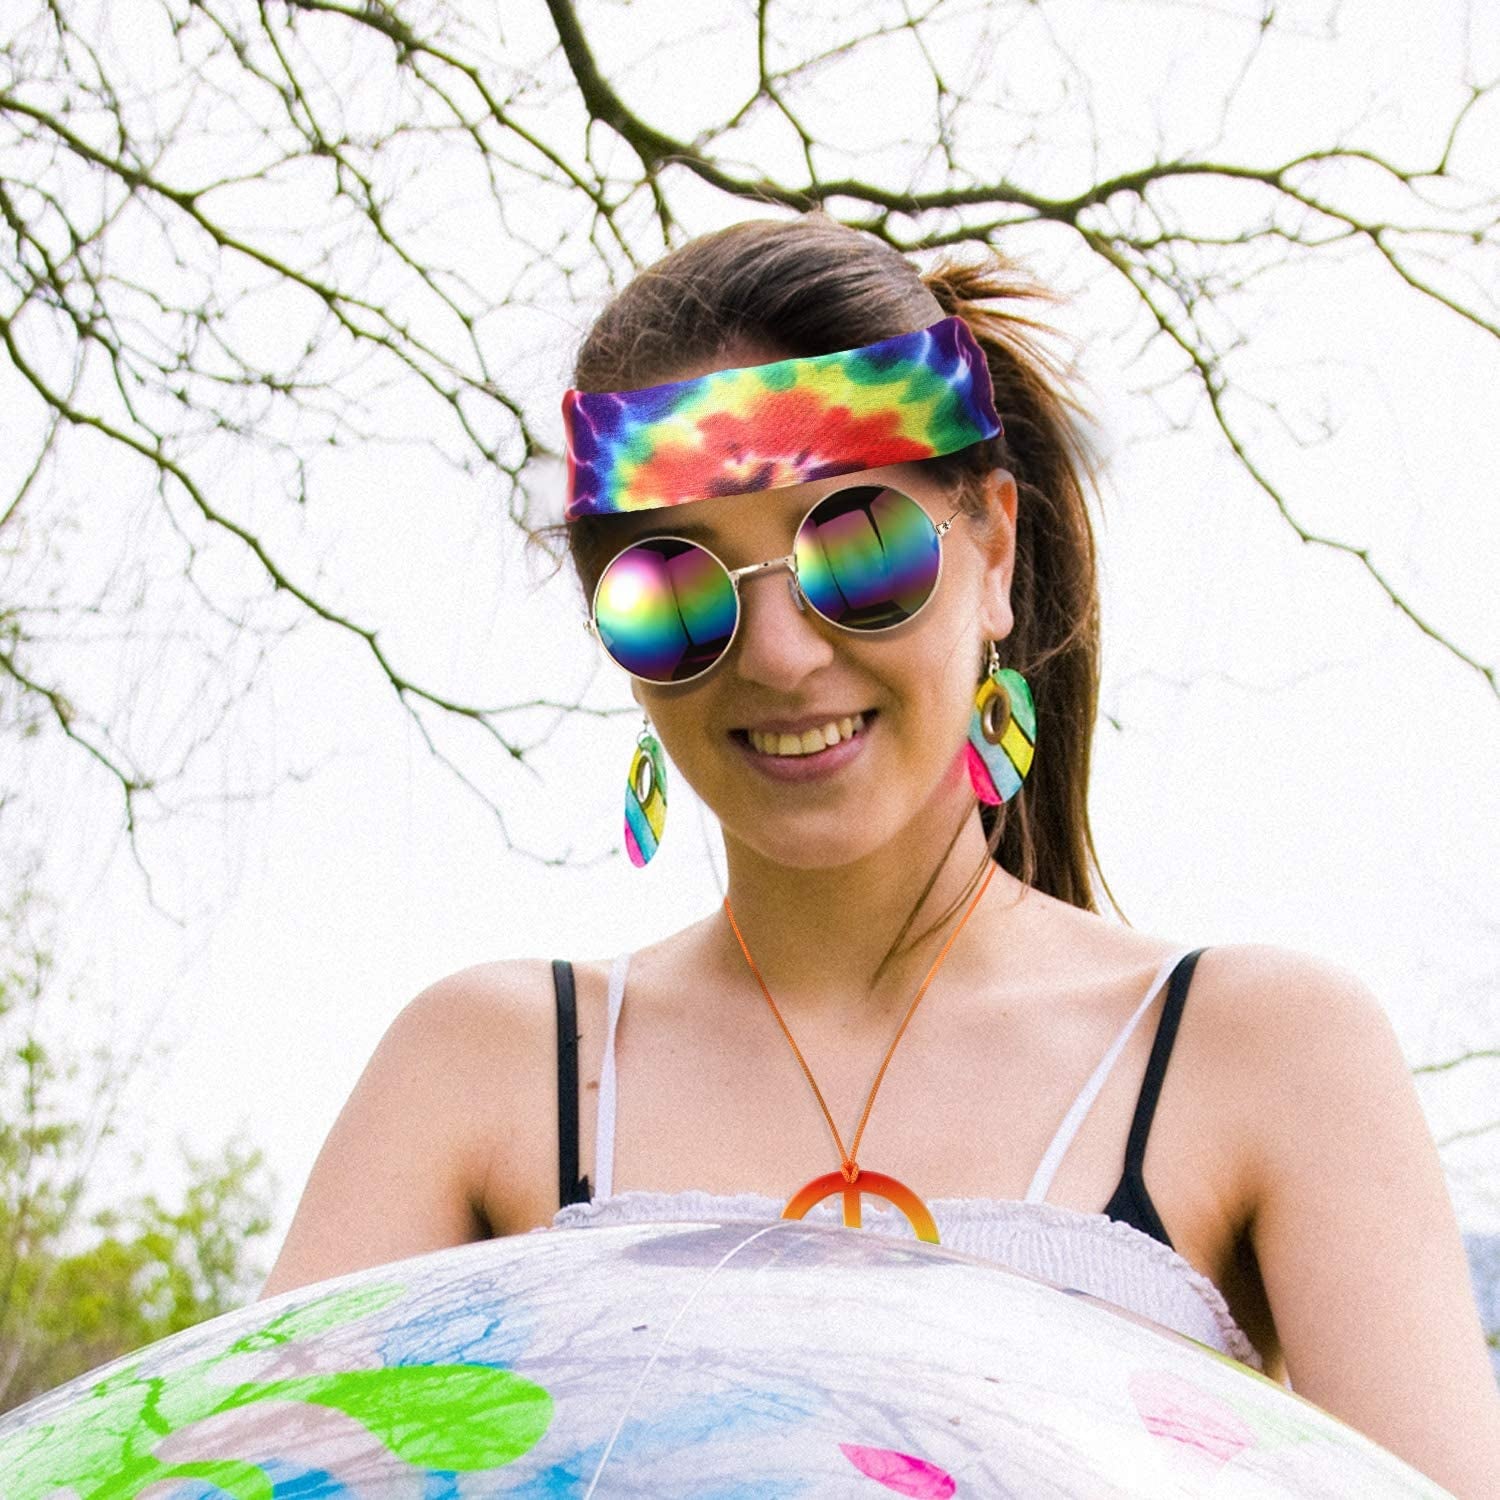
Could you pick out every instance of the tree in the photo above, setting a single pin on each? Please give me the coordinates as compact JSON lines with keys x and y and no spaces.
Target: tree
{"x":258,"y":258}
{"x":89,"y":1271}
{"x":245,"y":241}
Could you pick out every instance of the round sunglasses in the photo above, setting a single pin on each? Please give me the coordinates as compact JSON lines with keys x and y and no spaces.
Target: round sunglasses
{"x":866,"y":559}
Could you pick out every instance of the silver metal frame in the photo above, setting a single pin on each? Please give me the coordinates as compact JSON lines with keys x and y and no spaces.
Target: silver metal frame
{"x":788,"y":563}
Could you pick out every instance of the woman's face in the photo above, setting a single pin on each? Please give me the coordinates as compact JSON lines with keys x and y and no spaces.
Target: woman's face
{"x":788,"y":670}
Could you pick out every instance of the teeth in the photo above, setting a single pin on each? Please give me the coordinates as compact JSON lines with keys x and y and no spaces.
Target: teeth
{"x":810,"y":741}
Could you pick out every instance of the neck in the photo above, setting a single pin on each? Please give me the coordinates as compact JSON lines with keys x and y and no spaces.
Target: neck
{"x":819,"y":936}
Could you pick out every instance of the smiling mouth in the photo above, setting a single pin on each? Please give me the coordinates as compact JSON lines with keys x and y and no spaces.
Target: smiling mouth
{"x":810,"y":741}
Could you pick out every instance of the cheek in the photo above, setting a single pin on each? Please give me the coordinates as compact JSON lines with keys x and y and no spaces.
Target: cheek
{"x":962,"y":710}
{"x":940,"y":700}
{"x":961,"y":679}
{"x":951,"y":648}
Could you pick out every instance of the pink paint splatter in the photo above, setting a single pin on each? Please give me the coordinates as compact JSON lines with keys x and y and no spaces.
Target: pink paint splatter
{"x":900,"y":1472}
{"x":1175,"y":1409}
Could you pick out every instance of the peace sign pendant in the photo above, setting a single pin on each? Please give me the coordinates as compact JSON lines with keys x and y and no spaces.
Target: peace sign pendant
{"x":875,"y":1183}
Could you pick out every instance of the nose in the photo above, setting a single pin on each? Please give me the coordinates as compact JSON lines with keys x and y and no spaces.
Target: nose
{"x":779,"y":641}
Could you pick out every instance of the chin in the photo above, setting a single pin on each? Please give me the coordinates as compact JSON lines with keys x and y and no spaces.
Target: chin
{"x":808,"y":848}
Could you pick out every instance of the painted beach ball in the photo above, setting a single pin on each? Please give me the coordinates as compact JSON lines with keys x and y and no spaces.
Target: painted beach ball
{"x":726,"y":1361}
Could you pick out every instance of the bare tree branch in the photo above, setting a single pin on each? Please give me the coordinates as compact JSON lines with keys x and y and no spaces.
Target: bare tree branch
{"x":247,"y":246}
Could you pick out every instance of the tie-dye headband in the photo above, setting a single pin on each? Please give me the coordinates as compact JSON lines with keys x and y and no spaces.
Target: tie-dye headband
{"x":914,"y":396}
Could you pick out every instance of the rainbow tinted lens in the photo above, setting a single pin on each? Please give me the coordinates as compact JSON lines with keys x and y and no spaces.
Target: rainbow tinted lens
{"x":665,"y":609}
{"x":867,"y":558}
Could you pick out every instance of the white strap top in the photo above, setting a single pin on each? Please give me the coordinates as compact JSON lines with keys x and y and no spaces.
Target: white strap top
{"x":1090,"y":1252}
{"x":1041,"y":1181}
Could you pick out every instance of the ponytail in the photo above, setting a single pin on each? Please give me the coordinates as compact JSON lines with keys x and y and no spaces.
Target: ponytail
{"x":1045,"y":839}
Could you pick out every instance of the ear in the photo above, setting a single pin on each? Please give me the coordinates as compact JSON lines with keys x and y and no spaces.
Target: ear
{"x":997,"y":544}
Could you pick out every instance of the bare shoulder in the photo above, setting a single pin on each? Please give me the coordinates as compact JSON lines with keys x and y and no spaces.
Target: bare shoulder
{"x":1266,"y":978}
{"x":1306,"y":1056}
{"x":1257,"y":1018}
{"x":478,"y":1015}
{"x":467,"y":1040}
{"x":1282,"y":1017}
{"x":1281,"y":1037}
{"x":480,"y":1047}
{"x":435,"y":1131}
{"x":1260,"y":993}
{"x":1350,"y":1220}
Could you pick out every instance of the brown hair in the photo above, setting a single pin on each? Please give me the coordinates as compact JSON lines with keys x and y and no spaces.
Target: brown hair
{"x":812,"y":286}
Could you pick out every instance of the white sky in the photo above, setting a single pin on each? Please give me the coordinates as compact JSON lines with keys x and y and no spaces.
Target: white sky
{"x":1285,"y":759}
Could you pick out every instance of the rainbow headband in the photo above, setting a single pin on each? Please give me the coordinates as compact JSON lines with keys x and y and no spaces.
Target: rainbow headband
{"x":731,"y":432}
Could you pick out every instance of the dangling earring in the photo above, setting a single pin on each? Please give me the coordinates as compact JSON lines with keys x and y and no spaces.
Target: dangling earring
{"x":1002,"y":732}
{"x":645,"y":798}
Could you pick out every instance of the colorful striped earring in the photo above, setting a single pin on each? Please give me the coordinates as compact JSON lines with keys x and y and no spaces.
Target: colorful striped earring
{"x":1002,"y":733}
{"x":645,"y":798}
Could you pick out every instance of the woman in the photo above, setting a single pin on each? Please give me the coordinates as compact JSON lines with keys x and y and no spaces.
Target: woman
{"x":911,"y":564}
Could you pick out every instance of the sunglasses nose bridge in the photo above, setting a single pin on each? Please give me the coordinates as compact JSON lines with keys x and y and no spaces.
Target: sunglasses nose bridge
{"x":788,"y":564}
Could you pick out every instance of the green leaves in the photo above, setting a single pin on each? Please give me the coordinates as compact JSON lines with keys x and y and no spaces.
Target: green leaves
{"x":91,"y":1269}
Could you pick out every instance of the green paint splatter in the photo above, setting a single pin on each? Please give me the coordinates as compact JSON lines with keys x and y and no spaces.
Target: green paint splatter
{"x":103,"y":1447}
{"x":237,"y":1480}
{"x":318,"y":1316}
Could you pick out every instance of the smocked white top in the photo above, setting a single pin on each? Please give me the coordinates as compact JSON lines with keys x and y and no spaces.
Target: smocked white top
{"x":1087,"y":1251}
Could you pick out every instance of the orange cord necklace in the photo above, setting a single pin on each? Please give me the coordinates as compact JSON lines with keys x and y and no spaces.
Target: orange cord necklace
{"x":850,"y":1173}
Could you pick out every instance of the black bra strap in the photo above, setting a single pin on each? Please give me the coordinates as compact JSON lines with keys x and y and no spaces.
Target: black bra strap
{"x":1156,"y":1067}
{"x":1131,"y":1203}
{"x":571,"y":1188}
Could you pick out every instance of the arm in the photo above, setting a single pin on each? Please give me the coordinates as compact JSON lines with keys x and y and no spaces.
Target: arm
{"x":406,"y":1167}
{"x":1354,"y":1231}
